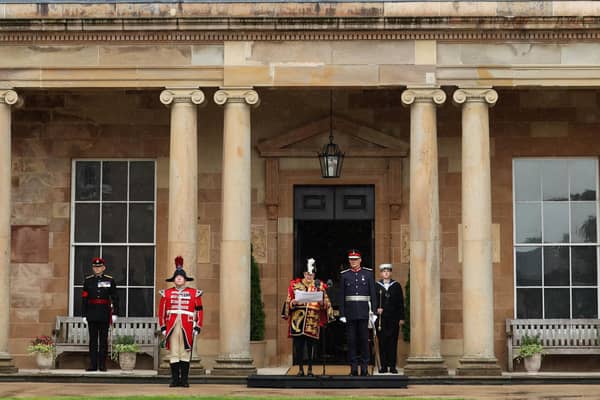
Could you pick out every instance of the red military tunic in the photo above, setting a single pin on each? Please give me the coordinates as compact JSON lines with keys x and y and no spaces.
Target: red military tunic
{"x":186,"y":303}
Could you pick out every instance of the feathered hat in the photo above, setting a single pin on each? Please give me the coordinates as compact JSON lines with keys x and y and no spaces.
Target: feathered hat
{"x":179,"y":270}
{"x":310,"y":266}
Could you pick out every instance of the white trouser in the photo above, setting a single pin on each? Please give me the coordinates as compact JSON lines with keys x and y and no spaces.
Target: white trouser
{"x":177,"y":351}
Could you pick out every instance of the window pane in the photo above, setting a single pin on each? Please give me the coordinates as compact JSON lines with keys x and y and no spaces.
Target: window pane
{"x":114,"y":223}
{"x":583,"y":222}
{"x":583,"y":179}
{"x":141,"y":302}
{"x":584,"y":266}
{"x":585,"y":303}
{"x":122,"y":292}
{"x":77,"y":301}
{"x":87,"y":220}
{"x":87,"y":180}
{"x":555,"y":183}
{"x":529,"y":224}
{"x":529,"y":266}
{"x":529,"y":303}
{"x":83,"y":262}
{"x":141,"y":266}
{"x":141,"y":223}
{"x":557,"y":303}
{"x":556,"y":223}
{"x":114,"y":180}
{"x":141,"y":181}
{"x":527,"y":180}
{"x":556,"y":266}
{"x":115,"y":258}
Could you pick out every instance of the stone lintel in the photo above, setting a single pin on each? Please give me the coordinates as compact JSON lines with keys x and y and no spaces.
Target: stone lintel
{"x":475,"y":94}
{"x":471,"y":366}
{"x":425,"y":366}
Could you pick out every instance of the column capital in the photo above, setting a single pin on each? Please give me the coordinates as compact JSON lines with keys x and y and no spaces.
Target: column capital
{"x":10,"y":97}
{"x":475,"y":94}
{"x":423,"y":94}
{"x":237,"y":95}
{"x":182,"y":95}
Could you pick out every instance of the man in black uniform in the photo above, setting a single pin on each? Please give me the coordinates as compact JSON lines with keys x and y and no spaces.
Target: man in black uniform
{"x":391,"y":317}
{"x":100,"y":307}
{"x":358,"y":302}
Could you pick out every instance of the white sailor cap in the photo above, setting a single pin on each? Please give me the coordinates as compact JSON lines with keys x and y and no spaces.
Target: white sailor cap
{"x":385,"y":266}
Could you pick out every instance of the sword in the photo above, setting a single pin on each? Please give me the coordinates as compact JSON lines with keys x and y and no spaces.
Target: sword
{"x":375,"y":342}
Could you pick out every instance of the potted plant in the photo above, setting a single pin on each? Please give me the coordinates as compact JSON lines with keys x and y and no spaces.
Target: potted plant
{"x":531,"y":352}
{"x":124,"y":350}
{"x":258,"y":344}
{"x":43,"y":348}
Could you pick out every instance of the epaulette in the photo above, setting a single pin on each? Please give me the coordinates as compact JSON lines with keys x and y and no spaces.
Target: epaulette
{"x":89,"y":276}
{"x":368,"y":269}
{"x":162,"y":293}
{"x":108,"y":276}
{"x":199,"y":292}
{"x":346,"y":270}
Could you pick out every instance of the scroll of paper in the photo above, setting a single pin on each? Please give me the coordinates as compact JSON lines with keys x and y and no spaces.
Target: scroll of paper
{"x":308,"y":297}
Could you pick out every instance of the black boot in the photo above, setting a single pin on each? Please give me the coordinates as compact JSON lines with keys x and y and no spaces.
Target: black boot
{"x":185,"y":372}
{"x":300,"y":370}
{"x":174,"y":375}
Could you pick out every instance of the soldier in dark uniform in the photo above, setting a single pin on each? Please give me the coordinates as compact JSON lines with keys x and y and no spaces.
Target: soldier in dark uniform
{"x":358,"y":302}
{"x":100,"y":307}
{"x":391,"y":317}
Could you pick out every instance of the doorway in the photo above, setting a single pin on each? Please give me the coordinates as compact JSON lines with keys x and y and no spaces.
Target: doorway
{"x":328,"y":221}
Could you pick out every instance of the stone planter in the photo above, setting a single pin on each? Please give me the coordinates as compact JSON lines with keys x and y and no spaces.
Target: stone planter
{"x":127,"y":361}
{"x":258,"y":350}
{"x":44,"y":360}
{"x":533,"y":363}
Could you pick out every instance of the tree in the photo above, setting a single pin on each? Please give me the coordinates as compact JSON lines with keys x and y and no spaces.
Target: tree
{"x":257,"y":312}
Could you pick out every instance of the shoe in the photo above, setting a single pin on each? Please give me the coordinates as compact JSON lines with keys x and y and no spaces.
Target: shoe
{"x":103,"y":369}
{"x":174,"y":375}
{"x":309,"y":372}
{"x":364,"y":373}
{"x":185,"y":371}
{"x":353,"y":373}
{"x":91,"y":369}
{"x":393,"y":370}
{"x":383,"y":370}
{"x":300,"y":373}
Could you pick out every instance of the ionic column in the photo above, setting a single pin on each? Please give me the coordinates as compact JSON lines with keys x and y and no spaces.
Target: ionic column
{"x":183,"y":182}
{"x":477,"y":274}
{"x":234,"y":271}
{"x":424,"y":217}
{"x":7,"y":99}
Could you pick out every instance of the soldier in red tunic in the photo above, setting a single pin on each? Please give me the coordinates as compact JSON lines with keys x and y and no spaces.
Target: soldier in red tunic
{"x":180,"y":317}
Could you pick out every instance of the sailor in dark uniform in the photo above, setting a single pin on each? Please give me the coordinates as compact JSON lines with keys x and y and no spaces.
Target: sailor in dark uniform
{"x":358,"y":303}
{"x":100,"y":307}
{"x":391,"y":317}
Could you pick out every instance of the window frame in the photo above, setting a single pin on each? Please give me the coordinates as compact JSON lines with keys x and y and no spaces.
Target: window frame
{"x":100,"y":201}
{"x":543,"y":244}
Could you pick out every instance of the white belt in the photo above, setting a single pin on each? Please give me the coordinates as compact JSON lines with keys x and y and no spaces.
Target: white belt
{"x":169,"y":312}
{"x":358,"y":298}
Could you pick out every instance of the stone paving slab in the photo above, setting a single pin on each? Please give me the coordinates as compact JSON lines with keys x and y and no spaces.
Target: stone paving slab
{"x":512,"y":392}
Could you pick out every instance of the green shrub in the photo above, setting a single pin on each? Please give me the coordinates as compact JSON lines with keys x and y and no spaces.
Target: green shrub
{"x":530,"y":345}
{"x":123,"y":344}
{"x":257,"y":312}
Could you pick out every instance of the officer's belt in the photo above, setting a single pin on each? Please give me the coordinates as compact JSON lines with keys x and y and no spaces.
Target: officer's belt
{"x":358,"y":298}
{"x":169,"y":312}
{"x":99,"y":301}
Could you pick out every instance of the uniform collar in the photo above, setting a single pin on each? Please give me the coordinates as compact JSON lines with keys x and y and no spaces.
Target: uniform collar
{"x":99,"y":276}
{"x":356,"y":270}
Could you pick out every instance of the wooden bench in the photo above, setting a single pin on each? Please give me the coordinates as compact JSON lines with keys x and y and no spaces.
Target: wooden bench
{"x":558,"y":336}
{"x":71,"y":335}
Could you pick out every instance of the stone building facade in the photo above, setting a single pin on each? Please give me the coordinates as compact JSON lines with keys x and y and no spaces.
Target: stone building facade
{"x":226,"y":104}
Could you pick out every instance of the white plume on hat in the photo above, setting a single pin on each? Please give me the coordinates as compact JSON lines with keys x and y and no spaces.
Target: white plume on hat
{"x":310,"y":265}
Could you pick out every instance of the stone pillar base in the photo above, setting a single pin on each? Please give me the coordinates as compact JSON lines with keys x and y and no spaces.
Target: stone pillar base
{"x":227,"y":366}
{"x":419,"y":366}
{"x":7,"y":366}
{"x":164,"y":369}
{"x":478,"y":367}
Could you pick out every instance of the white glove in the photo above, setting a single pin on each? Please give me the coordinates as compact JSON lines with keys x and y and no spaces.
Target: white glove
{"x":85,"y":320}
{"x":343,"y":319}
{"x":114,"y":319}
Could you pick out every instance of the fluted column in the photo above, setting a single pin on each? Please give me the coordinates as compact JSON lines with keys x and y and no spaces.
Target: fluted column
{"x":8,"y":98}
{"x":183,"y":183}
{"x":424,"y":217}
{"x":477,"y":274}
{"x":234,"y":326}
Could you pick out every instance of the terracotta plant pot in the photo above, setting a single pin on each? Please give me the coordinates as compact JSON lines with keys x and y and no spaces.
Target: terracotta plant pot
{"x":44,"y":360}
{"x":258,"y":349}
{"x":127,"y":361}
{"x":533,"y":363}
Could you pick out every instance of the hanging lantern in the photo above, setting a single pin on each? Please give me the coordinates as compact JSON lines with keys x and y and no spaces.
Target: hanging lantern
{"x":331,"y":157}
